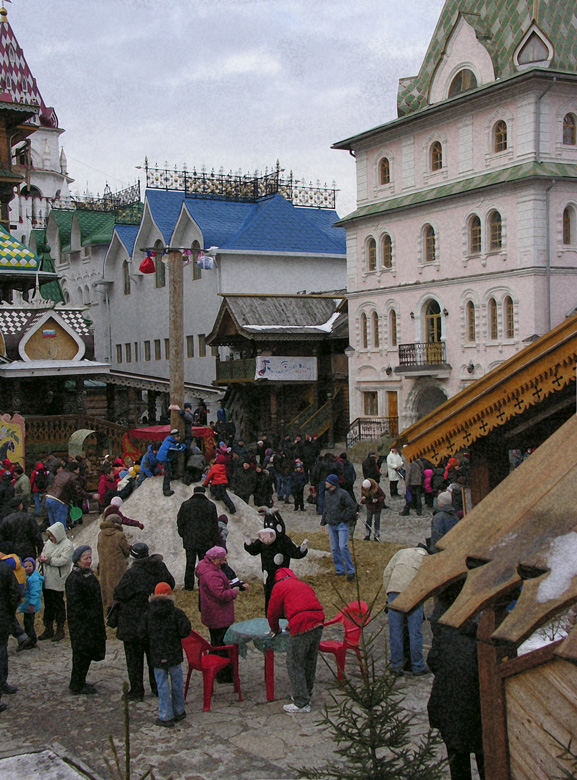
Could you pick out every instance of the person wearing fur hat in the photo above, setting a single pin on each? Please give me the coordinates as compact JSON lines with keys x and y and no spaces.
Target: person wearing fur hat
{"x":373,"y":497}
{"x":165,"y":626}
{"x":56,"y":559}
{"x":85,"y":620}
{"x":132,"y":592}
{"x":197,"y":524}
{"x":113,"y":551}
{"x":32,"y":602}
{"x":297,"y":601}
{"x":216,"y":600}
{"x":275,"y":548}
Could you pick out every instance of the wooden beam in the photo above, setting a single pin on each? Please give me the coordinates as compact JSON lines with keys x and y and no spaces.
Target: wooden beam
{"x":176,"y":335}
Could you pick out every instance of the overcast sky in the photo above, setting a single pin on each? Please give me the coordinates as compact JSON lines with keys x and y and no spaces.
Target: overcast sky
{"x":232,"y":83}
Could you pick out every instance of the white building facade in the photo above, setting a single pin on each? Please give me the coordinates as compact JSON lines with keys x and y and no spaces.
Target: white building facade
{"x":463,"y":245}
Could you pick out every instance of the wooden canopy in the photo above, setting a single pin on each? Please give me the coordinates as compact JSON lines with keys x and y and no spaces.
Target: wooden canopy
{"x":523,"y":533}
{"x":543,"y":368}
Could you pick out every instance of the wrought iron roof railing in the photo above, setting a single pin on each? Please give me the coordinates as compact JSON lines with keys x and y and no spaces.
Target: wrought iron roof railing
{"x":238,"y":186}
{"x":119,"y":203}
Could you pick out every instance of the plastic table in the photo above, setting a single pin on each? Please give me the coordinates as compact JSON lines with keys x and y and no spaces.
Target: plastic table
{"x":257,"y":631}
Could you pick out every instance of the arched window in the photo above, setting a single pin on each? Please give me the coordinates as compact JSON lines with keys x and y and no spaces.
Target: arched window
{"x":86,"y":296}
{"x":385,"y":171}
{"x":569,"y":130}
{"x":475,"y":235}
{"x":463,"y":82}
{"x":376,"y":339}
{"x":436,"y":156}
{"x":364,"y":332}
{"x":500,"y":136}
{"x":393,"y":328}
{"x":569,"y":225}
{"x":160,"y":275}
{"x":493,"y":324}
{"x":471,"y":327}
{"x":508,"y":317}
{"x":126,"y":277}
{"x":372,"y":254}
{"x":495,"y":231}
{"x":430,"y":245}
{"x":387,"y":251}
{"x":196,"y":272}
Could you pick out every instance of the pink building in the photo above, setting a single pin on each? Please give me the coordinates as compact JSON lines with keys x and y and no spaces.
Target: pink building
{"x":463,"y":246}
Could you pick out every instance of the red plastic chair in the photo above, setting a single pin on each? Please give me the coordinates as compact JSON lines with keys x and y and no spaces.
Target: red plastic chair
{"x":200,"y":655}
{"x":354,"y":617}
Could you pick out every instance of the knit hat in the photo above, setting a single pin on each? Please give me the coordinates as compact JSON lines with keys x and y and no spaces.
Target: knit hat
{"x":116,"y":519}
{"x":139,"y":550}
{"x":223,"y":519}
{"x":32,"y":561}
{"x":199,"y":489}
{"x":175,"y":432}
{"x":187,"y":405}
{"x":79,"y":552}
{"x":216,"y":552}
{"x":445,"y":499}
{"x":163,"y":589}
{"x":366,"y":484}
{"x":116,"y":501}
{"x":332,"y":479}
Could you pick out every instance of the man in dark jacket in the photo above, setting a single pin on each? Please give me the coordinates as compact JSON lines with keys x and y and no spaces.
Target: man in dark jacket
{"x":371,"y":468}
{"x":444,"y":518}
{"x":9,"y":599}
{"x":22,"y":530}
{"x":414,"y":482}
{"x":133,"y":590}
{"x":339,"y":511}
{"x":197,"y":523}
{"x":65,"y":490}
{"x":298,"y":602}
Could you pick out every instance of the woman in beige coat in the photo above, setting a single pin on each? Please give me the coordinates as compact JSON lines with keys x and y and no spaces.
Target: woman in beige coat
{"x":113,"y":552}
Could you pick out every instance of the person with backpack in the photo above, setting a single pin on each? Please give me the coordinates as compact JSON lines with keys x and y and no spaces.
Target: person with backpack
{"x":38,"y":485}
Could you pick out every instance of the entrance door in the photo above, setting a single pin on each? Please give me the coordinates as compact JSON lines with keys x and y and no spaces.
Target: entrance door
{"x":393,"y":412}
{"x":434,"y":349}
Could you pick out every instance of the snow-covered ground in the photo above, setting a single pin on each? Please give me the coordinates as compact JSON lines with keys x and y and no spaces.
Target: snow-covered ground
{"x":158,"y":514}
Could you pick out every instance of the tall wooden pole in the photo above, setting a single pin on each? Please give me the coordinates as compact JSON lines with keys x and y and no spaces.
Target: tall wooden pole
{"x":176,"y":335}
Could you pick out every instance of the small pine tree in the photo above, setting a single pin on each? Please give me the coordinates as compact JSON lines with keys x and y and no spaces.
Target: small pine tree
{"x":373,"y":731}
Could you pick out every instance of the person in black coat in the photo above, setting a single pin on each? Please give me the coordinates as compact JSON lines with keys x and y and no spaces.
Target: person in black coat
{"x":455,"y":705}
{"x":85,"y":619}
{"x":197,"y":523}
{"x":10,"y":597}
{"x":22,"y":530}
{"x":132,"y":592}
{"x":275,"y":548}
{"x":244,"y":481}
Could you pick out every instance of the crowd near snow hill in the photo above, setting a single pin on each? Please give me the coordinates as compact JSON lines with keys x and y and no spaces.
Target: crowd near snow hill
{"x":132,"y":591}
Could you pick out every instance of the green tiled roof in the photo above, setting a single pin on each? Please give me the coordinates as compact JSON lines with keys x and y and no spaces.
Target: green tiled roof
{"x":499,"y":25}
{"x":503,"y":176}
{"x":130,"y":215}
{"x":96,"y":227}
{"x":64,"y":221}
{"x":51,"y":291}
{"x":13,"y":254}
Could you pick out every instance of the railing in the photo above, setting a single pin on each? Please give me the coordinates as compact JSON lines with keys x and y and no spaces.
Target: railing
{"x":121,"y":203}
{"x":295,"y":424}
{"x":238,"y":186}
{"x":433,"y":353}
{"x":364,"y":428}
{"x":322,"y":418}
{"x":236,"y":370}
{"x":57,"y":430}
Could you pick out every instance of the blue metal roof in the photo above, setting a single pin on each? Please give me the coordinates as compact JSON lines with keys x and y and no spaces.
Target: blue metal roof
{"x":271,"y":225}
{"x":127,"y":234}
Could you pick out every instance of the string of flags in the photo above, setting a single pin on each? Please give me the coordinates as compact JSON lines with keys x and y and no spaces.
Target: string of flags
{"x":204,"y":260}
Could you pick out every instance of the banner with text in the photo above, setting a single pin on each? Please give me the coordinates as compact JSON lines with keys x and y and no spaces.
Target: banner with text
{"x":286,"y":369}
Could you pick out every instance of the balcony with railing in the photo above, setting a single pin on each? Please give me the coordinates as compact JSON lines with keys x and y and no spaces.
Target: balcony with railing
{"x":242,"y":370}
{"x":371,"y":429}
{"x":423,"y":358}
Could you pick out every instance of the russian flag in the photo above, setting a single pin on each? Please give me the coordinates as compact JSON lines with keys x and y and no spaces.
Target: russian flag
{"x":49,"y":333}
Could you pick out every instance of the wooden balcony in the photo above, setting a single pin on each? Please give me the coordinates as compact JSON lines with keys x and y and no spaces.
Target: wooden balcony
{"x":228,"y":371}
{"x":429,"y":358}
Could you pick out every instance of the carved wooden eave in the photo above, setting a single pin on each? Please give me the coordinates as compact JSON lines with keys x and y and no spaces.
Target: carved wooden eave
{"x":544,"y":367}
{"x":523,"y":533}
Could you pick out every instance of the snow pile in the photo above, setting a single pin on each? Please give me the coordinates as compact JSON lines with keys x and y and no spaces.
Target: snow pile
{"x":158,"y":514}
{"x":562,"y":562}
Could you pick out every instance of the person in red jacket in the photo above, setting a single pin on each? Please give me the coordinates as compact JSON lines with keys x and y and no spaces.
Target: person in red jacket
{"x":298,"y":602}
{"x":218,"y":480}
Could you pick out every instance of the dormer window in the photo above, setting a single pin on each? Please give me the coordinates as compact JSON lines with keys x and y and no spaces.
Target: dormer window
{"x":500,"y":136}
{"x":464,"y":81}
{"x":533,"y":51}
{"x":569,"y":130}
{"x":384,"y":171}
{"x":436,"y":156}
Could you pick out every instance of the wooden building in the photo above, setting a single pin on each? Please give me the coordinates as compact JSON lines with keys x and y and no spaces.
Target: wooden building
{"x":287,"y":371}
{"x":517,"y":548}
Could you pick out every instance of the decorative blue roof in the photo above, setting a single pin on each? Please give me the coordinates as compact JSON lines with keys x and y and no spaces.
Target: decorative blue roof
{"x":127,"y":234}
{"x":270,"y":225}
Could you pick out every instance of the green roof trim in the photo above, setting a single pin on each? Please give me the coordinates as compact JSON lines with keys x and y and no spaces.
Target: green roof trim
{"x":51,"y":291}
{"x":96,"y":227}
{"x":499,"y":25}
{"x":503,"y":176}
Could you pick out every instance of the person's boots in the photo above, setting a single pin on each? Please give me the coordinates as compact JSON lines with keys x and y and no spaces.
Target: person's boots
{"x":59,"y":632}
{"x":48,"y":632}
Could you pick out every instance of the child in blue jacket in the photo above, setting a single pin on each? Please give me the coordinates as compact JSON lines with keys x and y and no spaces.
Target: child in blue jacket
{"x":32,"y":602}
